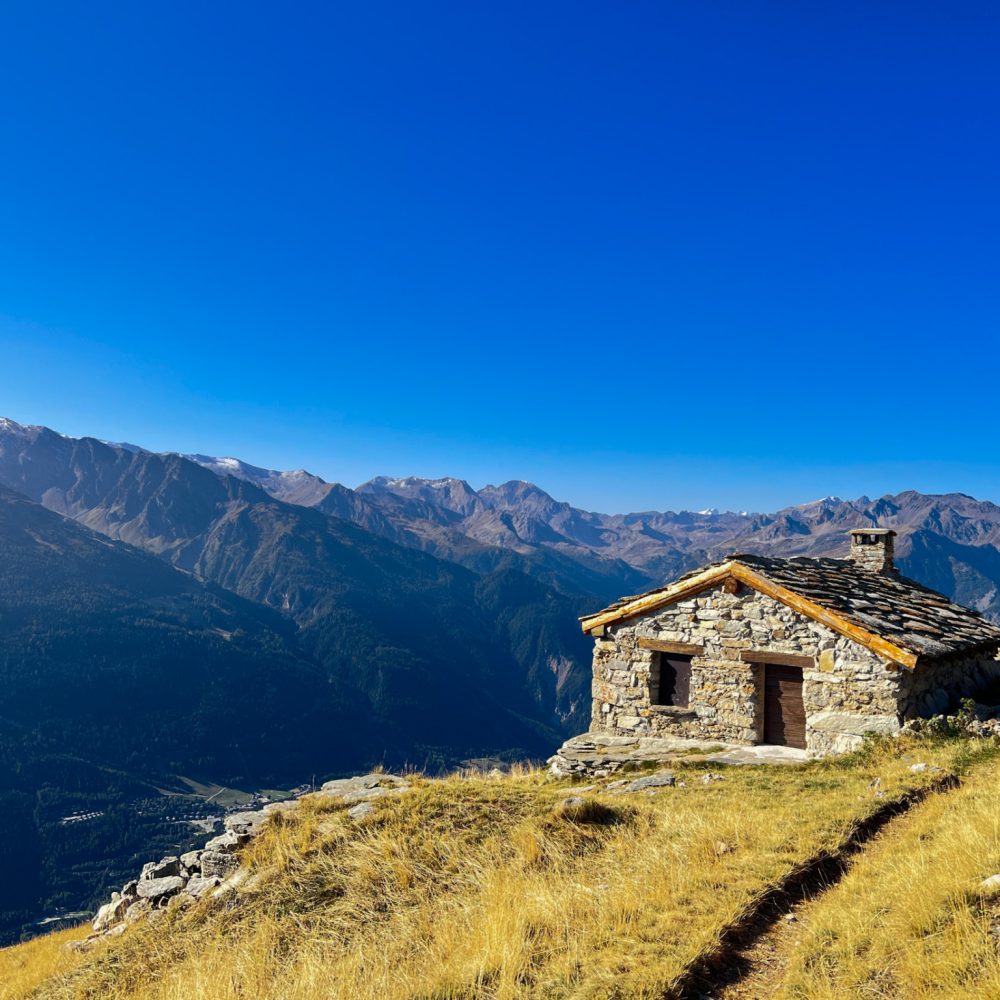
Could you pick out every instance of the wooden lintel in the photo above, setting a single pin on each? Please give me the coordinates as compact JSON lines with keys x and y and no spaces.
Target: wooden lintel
{"x":663,"y":646}
{"x":779,"y":659}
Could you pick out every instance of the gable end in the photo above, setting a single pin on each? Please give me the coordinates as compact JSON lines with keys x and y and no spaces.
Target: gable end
{"x":743,"y":574}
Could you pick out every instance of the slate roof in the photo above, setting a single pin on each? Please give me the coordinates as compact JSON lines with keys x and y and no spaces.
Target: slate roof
{"x":902,"y":611}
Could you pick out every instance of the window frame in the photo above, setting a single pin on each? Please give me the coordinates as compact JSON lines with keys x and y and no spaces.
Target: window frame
{"x":656,"y":679}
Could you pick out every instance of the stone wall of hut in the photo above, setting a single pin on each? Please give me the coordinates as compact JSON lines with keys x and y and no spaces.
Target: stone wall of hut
{"x":938,"y":686}
{"x":848,"y":691}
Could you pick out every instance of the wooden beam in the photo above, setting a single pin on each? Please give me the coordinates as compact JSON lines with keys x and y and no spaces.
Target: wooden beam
{"x":779,"y":659}
{"x":831,"y":619}
{"x":663,"y":646}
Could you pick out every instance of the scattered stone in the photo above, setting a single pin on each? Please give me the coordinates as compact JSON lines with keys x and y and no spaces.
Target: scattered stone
{"x":342,"y":786}
{"x":110,"y":913}
{"x":929,"y":768}
{"x":361,"y":811}
{"x":662,"y":780}
{"x":286,"y":805}
{"x":159,"y":888}
{"x":216,"y":868}
{"x":218,"y":864}
{"x":192,"y":862}
{"x":165,"y":868}
{"x":707,"y":779}
{"x":573,"y":802}
{"x":227,"y":843}
{"x":198,"y":886}
{"x":234,"y":881}
{"x":138,"y":909}
{"x":721,"y":847}
{"x":991,"y":884}
{"x":790,"y":918}
{"x":245,"y":823}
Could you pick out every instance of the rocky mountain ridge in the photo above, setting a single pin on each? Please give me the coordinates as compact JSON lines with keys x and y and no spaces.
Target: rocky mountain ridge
{"x":950,"y":542}
{"x":424,"y":628}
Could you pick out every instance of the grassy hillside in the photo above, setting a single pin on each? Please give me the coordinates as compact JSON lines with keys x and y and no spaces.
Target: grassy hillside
{"x":910,"y":919}
{"x":494,"y":887}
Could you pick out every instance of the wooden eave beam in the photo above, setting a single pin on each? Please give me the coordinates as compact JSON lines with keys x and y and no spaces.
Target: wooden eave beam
{"x":734,"y":570}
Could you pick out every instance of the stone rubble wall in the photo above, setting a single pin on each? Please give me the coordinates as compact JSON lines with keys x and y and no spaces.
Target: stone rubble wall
{"x":216,"y":868}
{"x":849,"y":692}
{"x":939,"y":685}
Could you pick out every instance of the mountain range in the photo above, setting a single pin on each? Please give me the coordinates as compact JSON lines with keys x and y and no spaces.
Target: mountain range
{"x":170,"y":622}
{"x":949,"y":542}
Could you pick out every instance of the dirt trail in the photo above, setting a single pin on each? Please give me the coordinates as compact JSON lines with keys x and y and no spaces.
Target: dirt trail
{"x":753,"y":952}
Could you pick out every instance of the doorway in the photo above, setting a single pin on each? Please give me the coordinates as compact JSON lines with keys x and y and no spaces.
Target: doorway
{"x":784,"y":711}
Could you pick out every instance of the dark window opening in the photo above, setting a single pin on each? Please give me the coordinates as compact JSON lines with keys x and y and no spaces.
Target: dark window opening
{"x":670,"y":680}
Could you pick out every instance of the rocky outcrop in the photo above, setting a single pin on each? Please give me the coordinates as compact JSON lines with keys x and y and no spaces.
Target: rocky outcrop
{"x":216,"y":867}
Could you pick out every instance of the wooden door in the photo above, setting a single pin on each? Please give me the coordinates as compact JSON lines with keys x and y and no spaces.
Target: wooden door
{"x":784,"y":713}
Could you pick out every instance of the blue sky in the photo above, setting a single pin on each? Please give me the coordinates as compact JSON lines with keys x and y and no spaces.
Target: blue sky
{"x":648,"y":255}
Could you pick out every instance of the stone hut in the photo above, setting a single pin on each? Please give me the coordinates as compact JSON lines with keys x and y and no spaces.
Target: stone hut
{"x":808,"y":653}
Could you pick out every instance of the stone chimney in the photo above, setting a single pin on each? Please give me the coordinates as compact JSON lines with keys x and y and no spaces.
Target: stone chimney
{"x":871,"y":549}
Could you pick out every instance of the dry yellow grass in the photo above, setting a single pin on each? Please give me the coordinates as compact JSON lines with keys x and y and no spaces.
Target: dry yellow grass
{"x":24,"y":967}
{"x":909,"y":920}
{"x":485,"y":888}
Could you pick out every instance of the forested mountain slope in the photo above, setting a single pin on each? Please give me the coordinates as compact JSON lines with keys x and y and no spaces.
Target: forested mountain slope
{"x":118,"y":674}
{"x":417,"y":636}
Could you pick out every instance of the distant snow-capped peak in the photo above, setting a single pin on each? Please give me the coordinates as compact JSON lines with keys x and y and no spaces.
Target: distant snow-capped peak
{"x":13,"y":427}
